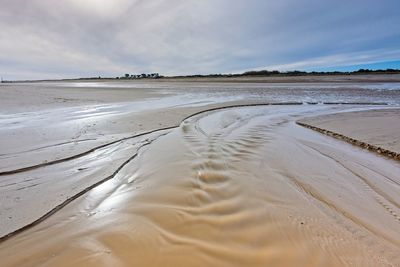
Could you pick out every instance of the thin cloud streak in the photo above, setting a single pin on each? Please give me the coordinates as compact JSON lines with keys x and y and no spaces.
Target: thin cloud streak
{"x":338,"y":60}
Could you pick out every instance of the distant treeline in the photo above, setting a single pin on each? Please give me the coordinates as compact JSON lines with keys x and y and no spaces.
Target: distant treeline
{"x":268,"y":73}
{"x":253,"y":73}
{"x":140,"y":76}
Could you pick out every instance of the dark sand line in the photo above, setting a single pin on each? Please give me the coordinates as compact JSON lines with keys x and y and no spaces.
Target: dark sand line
{"x":48,"y":146}
{"x":357,"y":103}
{"x":379,"y":150}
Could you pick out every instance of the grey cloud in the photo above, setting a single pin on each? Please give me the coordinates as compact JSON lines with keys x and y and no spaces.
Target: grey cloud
{"x":70,"y":38}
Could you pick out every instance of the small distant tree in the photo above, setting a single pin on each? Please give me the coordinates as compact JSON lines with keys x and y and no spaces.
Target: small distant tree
{"x":127,"y":75}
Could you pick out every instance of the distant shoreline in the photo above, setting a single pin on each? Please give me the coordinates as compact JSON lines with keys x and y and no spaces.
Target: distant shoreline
{"x":271,"y":77}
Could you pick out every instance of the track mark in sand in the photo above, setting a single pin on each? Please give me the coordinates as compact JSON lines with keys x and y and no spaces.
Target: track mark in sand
{"x":379,"y":195}
{"x":380,"y":174}
{"x":48,"y":146}
{"x":19,"y":182}
{"x":378,"y":198}
{"x":9,"y":184}
{"x":28,"y":186}
{"x":314,"y":195}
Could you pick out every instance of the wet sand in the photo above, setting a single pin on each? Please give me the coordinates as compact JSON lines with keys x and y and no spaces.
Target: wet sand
{"x":239,"y":186}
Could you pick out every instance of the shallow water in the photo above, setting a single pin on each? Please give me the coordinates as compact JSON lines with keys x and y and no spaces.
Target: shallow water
{"x":232,"y":187}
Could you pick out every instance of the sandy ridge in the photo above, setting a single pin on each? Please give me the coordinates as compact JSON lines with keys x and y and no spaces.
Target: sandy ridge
{"x":370,"y":147}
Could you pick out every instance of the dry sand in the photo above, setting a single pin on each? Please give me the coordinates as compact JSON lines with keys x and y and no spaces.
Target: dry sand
{"x":242,"y":186}
{"x":378,"y":128}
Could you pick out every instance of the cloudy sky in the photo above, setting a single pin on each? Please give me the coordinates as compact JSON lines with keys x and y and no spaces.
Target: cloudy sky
{"x":81,"y":38}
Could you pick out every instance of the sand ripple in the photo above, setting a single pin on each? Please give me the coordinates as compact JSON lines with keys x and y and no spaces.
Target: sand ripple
{"x":236,"y":187}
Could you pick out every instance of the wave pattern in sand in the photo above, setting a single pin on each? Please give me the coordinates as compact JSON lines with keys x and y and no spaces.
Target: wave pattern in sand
{"x":236,"y":187}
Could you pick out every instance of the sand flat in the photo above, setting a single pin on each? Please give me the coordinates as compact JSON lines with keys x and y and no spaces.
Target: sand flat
{"x":380,"y":128}
{"x":224,"y":189}
{"x":224,"y":185}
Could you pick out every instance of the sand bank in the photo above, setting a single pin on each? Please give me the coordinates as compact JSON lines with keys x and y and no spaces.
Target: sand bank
{"x":375,"y":130}
{"x":23,"y":98}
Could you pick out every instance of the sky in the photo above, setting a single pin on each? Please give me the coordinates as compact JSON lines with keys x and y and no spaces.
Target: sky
{"x":48,"y":39}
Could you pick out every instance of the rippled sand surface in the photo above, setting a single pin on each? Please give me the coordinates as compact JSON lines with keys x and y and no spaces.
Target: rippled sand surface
{"x":233,"y":187}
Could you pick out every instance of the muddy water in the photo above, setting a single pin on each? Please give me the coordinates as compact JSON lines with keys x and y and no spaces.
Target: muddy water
{"x":235,"y":187}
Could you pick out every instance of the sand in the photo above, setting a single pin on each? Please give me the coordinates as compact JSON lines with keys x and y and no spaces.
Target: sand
{"x":239,"y":186}
{"x":377,"y":129}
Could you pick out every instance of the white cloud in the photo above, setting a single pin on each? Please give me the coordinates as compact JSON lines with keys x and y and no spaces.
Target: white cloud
{"x":337,"y":60}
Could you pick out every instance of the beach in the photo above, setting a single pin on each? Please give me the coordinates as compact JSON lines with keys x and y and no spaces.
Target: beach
{"x":200,"y":173}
